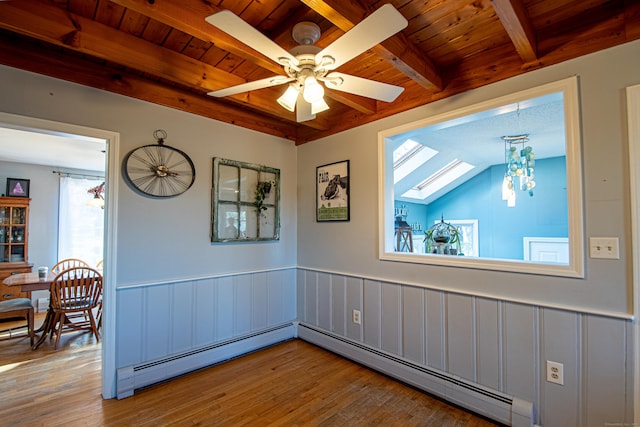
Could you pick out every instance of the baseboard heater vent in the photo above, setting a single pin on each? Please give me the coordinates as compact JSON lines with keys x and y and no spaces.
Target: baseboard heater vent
{"x":498,"y":406}
{"x":134,"y":377}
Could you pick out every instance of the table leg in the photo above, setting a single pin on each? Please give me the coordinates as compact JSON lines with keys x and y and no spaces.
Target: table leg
{"x":46,"y":327}
{"x":44,"y":322}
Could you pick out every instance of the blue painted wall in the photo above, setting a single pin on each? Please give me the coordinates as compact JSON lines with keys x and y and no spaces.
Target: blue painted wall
{"x":500,"y":228}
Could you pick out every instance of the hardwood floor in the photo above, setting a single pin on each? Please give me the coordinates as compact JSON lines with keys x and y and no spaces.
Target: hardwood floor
{"x":290,"y":384}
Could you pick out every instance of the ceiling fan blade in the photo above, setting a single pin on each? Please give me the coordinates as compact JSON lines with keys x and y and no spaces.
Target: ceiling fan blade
{"x":362,"y":87}
{"x":237,"y":28}
{"x":246,"y":87}
{"x":375,"y":28}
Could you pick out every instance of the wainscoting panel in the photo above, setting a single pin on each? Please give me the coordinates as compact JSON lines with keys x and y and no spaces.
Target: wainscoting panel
{"x":158,"y":314}
{"x":561,"y":343}
{"x":500,"y":346}
{"x":204,"y":291}
{"x":461,"y":351}
{"x":372,"y":313}
{"x":301,"y":292}
{"x":600,"y":365}
{"x":224,"y":314}
{"x":413,"y":313}
{"x":183,"y":327}
{"x":488,"y":344}
{"x":338,"y":310}
{"x":324,"y":301}
{"x":161,"y":320}
{"x":283,"y":301}
{"x":436,"y":337}
{"x":311,"y":301}
{"x":520,"y":356}
{"x":391,"y":317}
{"x":130,"y":327}
{"x":355,"y":300}
{"x":242,"y":304}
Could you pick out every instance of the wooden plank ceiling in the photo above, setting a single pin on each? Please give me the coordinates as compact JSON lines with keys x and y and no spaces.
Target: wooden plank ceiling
{"x":165,"y":52}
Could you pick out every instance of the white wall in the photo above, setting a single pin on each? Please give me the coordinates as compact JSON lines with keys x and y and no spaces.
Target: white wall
{"x":166,"y":239}
{"x":352,"y":247}
{"x":464,"y":321}
{"x":164,"y":242}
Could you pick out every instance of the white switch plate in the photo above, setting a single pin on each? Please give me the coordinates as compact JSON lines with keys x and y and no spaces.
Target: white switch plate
{"x":604,"y":247}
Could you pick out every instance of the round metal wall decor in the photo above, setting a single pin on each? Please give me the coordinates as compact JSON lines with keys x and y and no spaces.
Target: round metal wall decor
{"x":159,"y":170}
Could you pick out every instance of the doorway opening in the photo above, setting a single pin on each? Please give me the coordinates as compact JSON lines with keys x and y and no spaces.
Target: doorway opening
{"x":79,"y":137}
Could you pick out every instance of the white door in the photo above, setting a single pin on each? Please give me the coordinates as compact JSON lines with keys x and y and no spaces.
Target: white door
{"x":547,"y":249}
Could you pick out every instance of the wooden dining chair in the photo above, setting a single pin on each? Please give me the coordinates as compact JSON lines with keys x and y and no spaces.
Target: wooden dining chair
{"x":18,"y":308}
{"x":65,"y":264}
{"x":68,"y":263}
{"x":75,"y":293}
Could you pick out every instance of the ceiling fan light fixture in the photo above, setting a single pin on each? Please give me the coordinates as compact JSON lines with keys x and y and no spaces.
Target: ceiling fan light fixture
{"x":288,"y":98}
{"x":313,"y":91}
{"x":303,"y":111}
{"x":319,"y":106}
{"x":307,"y":64}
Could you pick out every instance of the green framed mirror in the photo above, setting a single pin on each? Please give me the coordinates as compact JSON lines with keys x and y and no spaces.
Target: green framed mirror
{"x":246,"y":202}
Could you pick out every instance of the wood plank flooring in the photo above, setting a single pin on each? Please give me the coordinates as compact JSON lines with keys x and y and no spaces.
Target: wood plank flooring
{"x":290,"y":384}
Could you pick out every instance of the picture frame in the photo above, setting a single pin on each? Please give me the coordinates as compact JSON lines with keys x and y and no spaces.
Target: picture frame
{"x":332,"y":192}
{"x":18,"y":187}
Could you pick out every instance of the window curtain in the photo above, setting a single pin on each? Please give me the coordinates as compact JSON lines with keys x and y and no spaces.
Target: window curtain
{"x":80,"y":226}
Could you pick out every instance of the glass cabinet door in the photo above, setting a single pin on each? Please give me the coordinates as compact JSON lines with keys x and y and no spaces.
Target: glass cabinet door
{"x":13,"y":230}
{"x":19,"y":216}
{"x":4,"y":215}
{"x":5,"y":233}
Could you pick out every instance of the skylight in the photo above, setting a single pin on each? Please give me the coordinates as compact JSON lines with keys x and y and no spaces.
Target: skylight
{"x":408,"y":157}
{"x":439,"y":180}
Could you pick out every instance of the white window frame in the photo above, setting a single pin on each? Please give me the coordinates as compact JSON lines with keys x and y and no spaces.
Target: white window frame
{"x":575,"y":267}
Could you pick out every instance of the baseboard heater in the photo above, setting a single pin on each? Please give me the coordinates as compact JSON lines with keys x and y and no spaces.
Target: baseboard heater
{"x":131,"y":378}
{"x":503,"y":408}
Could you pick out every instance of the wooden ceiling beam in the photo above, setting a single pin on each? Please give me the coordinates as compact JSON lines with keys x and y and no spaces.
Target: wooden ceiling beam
{"x":358,"y":103}
{"x":46,"y":61}
{"x":396,"y":50}
{"x":189,"y":16}
{"x":632,"y":20}
{"x":61,"y":28}
{"x":516,"y":22}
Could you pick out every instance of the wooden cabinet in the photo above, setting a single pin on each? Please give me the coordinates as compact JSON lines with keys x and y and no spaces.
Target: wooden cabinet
{"x":14,"y":242}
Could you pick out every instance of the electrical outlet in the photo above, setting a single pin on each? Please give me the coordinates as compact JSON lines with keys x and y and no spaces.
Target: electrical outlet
{"x":604,"y":247}
{"x":555,"y":372}
{"x":356,"y":317}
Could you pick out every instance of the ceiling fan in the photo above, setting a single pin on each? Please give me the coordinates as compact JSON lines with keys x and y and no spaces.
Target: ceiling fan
{"x":306,"y":65}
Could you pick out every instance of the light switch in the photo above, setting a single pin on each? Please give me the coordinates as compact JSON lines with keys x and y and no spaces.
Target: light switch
{"x":604,"y":247}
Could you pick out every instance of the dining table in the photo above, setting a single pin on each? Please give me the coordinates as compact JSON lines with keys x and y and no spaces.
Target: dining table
{"x":29,"y":282}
